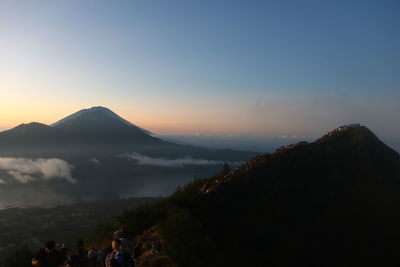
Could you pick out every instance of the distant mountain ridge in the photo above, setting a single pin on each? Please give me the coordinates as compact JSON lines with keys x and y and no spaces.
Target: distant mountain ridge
{"x":88,"y":155}
{"x":97,"y":125}
{"x":100,"y":129}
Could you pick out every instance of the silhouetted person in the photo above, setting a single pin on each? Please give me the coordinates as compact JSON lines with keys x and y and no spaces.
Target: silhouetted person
{"x":81,"y":258}
{"x":80,"y":246}
{"x":92,"y":257}
{"x":100,"y":258}
{"x":118,"y":257}
{"x":65,"y":256}
{"x":137,"y":251}
{"x":122,"y":235}
{"x":48,"y":256}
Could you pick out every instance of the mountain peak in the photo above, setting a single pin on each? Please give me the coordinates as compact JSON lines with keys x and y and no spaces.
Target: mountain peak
{"x":85,"y":112}
{"x":32,"y":125}
{"x":98,"y":109}
{"x":27,"y":132}
{"x":354,"y":133}
{"x":94,"y":117}
{"x":29,"y":127}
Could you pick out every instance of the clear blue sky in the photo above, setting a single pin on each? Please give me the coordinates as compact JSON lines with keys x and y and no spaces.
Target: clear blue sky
{"x":226,"y":67}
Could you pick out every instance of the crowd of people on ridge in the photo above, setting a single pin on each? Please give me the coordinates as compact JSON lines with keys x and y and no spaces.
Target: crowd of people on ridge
{"x":122,"y":254}
{"x":210,"y":187}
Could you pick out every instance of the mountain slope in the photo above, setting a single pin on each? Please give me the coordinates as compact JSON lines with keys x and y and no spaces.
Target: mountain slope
{"x":330,"y":203}
{"x":333,"y":202}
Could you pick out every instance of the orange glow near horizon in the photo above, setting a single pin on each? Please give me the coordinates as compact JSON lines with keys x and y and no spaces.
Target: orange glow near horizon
{"x":172,"y":122}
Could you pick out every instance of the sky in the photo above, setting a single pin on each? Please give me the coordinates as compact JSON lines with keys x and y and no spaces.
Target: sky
{"x":260,"y":68}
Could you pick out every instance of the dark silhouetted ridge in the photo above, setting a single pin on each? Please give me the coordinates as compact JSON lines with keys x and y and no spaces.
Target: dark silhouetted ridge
{"x":332,"y":202}
{"x":359,"y":142}
{"x":353,"y":134}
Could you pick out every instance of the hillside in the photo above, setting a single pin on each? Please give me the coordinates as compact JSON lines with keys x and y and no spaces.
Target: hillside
{"x":333,"y":202}
{"x":34,"y":226}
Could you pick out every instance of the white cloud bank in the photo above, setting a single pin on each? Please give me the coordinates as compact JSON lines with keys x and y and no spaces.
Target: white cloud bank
{"x":26,"y":170}
{"x":146,"y":160}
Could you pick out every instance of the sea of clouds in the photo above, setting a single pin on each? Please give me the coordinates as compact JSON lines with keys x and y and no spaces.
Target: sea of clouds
{"x":165,"y":162}
{"x":27,"y":170}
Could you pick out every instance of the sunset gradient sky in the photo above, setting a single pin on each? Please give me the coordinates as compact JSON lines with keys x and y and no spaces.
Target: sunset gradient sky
{"x":217,"y":67}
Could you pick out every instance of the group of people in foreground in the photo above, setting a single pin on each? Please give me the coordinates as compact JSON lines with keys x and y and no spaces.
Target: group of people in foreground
{"x":122,"y":254}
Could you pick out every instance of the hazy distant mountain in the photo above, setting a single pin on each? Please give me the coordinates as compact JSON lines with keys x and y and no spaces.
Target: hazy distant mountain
{"x":31,"y":133}
{"x":95,"y":117}
{"x":98,"y":130}
{"x":97,"y":125}
{"x":333,"y":202}
{"x":93,"y":154}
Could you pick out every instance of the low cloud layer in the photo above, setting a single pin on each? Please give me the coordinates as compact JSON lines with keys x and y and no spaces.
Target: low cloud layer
{"x":180,"y":162}
{"x":26,"y":170}
{"x":94,"y":160}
